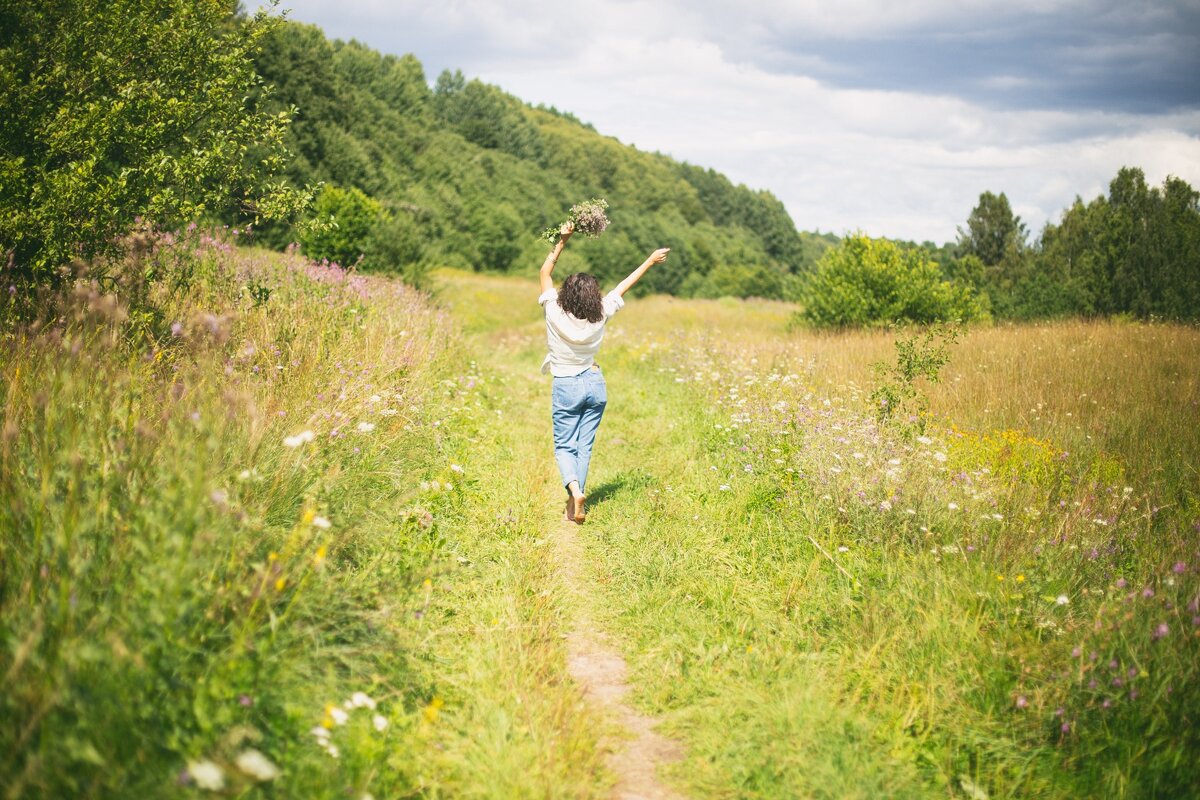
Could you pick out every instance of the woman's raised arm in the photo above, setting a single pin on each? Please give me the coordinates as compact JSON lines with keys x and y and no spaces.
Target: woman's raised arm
{"x":547,"y":272}
{"x":657,"y":257}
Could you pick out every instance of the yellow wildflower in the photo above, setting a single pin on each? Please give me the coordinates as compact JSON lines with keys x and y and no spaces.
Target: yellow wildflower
{"x":1020,"y":579}
{"x":280,"y":583}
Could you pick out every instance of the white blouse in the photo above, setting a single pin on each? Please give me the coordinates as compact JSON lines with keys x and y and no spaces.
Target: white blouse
{"x":573,"y":342}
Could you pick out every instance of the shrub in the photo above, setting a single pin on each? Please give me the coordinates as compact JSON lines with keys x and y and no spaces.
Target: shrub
{"x":127,"y":109}
{"x":352,"y":216}
{"x":866,"y":281}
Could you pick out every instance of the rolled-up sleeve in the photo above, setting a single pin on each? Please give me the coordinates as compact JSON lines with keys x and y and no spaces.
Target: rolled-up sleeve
{"x":612,"y":303}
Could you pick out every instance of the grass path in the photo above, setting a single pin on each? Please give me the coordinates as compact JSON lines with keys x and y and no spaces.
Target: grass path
{"x":539,"y":589}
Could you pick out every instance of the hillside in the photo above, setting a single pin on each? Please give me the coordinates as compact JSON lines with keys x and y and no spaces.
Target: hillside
{"x":469,"y":175}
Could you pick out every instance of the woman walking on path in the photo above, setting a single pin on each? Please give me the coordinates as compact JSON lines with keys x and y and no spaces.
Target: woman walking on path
{"x":575,"y":320}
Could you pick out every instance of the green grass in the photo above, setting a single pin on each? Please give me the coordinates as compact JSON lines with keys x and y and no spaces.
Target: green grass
{"x":816,"y":606}
{"x":805,"y":635}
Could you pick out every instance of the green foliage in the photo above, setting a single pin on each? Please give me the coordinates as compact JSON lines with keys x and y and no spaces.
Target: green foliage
{"x":920,"y":356}
{"x":112,"y":111}
{"x":397,"y":246}
{"x":866,"y":281}
{"x":350,"y":218}
{"x":486,"y":173}
{"x":1135,"y":251}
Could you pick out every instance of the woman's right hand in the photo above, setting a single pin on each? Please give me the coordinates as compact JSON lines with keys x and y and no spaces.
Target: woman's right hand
{"x":659,"y":255}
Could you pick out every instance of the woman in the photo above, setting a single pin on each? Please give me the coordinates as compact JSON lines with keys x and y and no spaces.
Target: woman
{"x":575,"y":319}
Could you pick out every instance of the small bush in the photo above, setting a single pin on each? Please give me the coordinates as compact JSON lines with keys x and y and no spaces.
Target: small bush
{"x":866,"y":281}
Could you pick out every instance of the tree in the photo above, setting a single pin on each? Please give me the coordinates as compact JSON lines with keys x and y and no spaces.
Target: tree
{"x":993,"y":231}
{"x":113,"y":110}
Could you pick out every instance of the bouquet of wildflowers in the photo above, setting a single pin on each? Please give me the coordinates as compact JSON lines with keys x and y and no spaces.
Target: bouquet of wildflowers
{"x":589,"y":219}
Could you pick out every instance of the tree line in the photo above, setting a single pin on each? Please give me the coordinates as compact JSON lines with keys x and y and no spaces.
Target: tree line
{"x":170,"y":111}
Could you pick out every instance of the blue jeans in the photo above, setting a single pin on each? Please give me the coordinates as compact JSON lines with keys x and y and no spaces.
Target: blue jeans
{"x":577,"y":404}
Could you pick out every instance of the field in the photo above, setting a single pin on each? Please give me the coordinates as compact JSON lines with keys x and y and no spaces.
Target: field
{"x":282,"y":510}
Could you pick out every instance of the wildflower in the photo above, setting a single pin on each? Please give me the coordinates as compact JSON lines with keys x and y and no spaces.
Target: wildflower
{"x":885,"y":506}
{"x":1161,"y":631}
{"x":431,"y":711}
{"x":299,"y":439}
{"x":256,"y":765}
{"x":1076,"y":652}
{"x":939,"y":456}
{"x":1020,"y":579}
{"x":1179,"y":568}
{"x":176,"y":328}
{"x":999,"y":577}
{"x":1062,"y":600}
{"x":366,"y":427}
{"x":361,"y":700}
{"x":1066,"y":727}
{"x":321,"y":732}
{"x":380,"y":722}
{"x":245,"y":700}
{"x":1121,"y":584}
{"x":206,"y":775}
{"x":952,"y":506}
{"x":319,"y":558}
{"x":843,"y":549}
{"x":1147,"y":592}
{"x":455,"y":468}
{"x":321,"y":522}
{"x":338,"y":716}
{"x":724,"y":487}
{"x":280,"y":583}
{"x":332,"y":750}
{"x":1021,"y":701}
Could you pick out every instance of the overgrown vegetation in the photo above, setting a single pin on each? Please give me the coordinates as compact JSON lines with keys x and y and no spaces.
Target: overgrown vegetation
{"x":115,"y":111}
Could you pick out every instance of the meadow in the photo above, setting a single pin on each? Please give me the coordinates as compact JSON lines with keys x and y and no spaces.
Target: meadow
{"x":273,"y":528}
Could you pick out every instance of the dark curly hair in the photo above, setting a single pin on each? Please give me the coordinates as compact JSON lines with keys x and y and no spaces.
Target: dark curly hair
{"x":580,"y":297}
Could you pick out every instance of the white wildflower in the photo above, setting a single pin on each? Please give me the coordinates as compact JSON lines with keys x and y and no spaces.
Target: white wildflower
{"x":455,"y":468}
{"x":206,"y":775}
{"x":952,"y":506}
{"x":321,"y":732}
{"x":924,"y":440}
{"x":939,"y":456}
{"x":885,"y":506}
{"x":843,"y":549}
{"x":366,"y":427}
{"x":338,"y":715}
{"x":361,"y":700}
{"x":380,"y":721}
{"x":1062,"y":600}
{"x":724,"y":487}
{"x":256,"y":765}
{"x":299,"y":438}
{"x":321,"y":522}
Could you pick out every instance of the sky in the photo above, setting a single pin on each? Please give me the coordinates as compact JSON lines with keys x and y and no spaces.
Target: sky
{"x":860,"y":115}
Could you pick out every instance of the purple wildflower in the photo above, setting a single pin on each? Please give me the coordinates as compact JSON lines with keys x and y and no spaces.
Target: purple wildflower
{"x":1179,"y":568}
{"x":1121,"y":583}
{"x":1161,"y":631}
